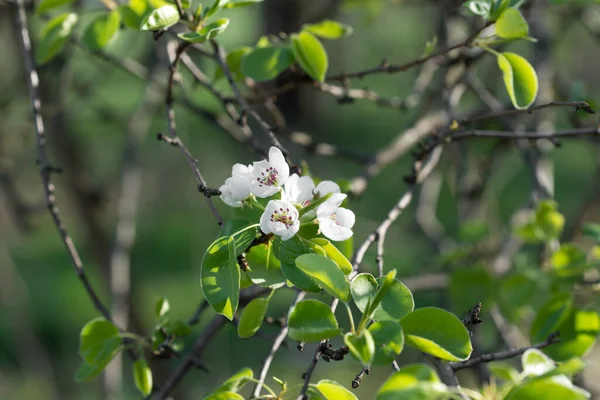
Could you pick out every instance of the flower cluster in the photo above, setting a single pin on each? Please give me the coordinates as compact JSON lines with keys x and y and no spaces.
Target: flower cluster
{"x":283,"y":215}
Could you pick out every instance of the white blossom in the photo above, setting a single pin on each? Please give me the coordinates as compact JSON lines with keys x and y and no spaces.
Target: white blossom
{"x":335,"y":222}
{"x":269,"y":176}
{"x":326,"y":187}
{"x":298,"y":190}
{"x":281,"y":218}
{"x":237,"y":188}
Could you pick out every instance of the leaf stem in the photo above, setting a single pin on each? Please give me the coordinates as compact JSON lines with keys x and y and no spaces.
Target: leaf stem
{"x":350,"y":317}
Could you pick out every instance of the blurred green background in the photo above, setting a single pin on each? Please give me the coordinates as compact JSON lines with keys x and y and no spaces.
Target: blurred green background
{"x":88,"y":103}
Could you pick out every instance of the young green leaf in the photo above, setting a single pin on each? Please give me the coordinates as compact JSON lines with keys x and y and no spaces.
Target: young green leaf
{"x":161,"y":18}
{"x":87,"y":372}
{"x":361,"y":346}
{"x":234,"y":62}
{"x":312,"y":321}
{"x":287,"y":252}
{"x":511,"y":24}
{"x":328,"y":29}
{"x":252,"y":317}
{"x":548,"y":220}
{"x":142,"y":376}
{"x":577,"y":334}
{"x":551,"y":316}
{"x":265,"y":269}
{"x":224,"y":396}
{"x":101,"y":30}
{"x":54,"y":37}
{"x":395,"y":303}
{"x":161,"y":307}
{"x":184,"y":3}
{"x":311,"y":55}
{"x":237,"y":381}
{"x":326,"y":274}
{"x":389,"y":341}
{"x":241,"y":3}
{"x":99,"y":342}
{"x":332,"y":390}
{"x":437,"y":332}
{"x":133,"y":13}
{"x":416,"y":381}
{"x":266,"y":63}
{"x":363,"y":288}
{"x":220,"y":276}
{"x":547,"y":389}
{"x":520,"y":79}
{"x":207,"y":33}
{"x":212,"y":10}
{"x":334,"y":254}
{"x":478,"y":7}
{"x":536,"y":363}
{"x":47,"y":5}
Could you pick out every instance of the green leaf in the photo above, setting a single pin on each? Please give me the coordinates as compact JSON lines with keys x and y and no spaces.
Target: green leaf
{"x":224,"y":395}
{"x":252,"y":317}
{"x":468,"y":286}
{"x":310,"y":54}
{"x":511,"y":24}
{"x":478,"y":7}
{"x":177,"y":327}
{"x":414,"y":382}
{"x":520,"y":79}
{"x":332,"y":390}
{"x":208,"y":32}
{"x":327,"y":275}
{"x":265,"y":269}
{"x":363,"y":288}
{"x":362,"y":346}
{"x":99,"y":342}
{"x":47,"y":5}
{"x":504,"y":371}
{"x":328,"y":29}
{"x":550,"y":317}
{"x":220,"y":277}
{"x":569,"y":261}
{"x":242,"y":232}
{"x":142,"y":375}
{"x":234,"y":62}
{"x":334,"y":254}
{"x":101,"y":30}
{"x":133,"y":13}
{"x":241,"y":3}
{"x":161,"y":18}
{"x":87,"y":372}
{"x":430,"y":46}
{"x":312,"y":321}
{"x":236,"y":382}
{"x":473,"y":231}
{"x":212,"y":10}
{"x":592,"y":230}
{"x":54,"y":37}
{"x":578,"y":334}
{"x":536,"y":363}
{"x":548,"y":220}
{"x":161,"y":307}
{"x":396,"y":302}
{"x":287,"y":252}
{"x":266,"y":63}
{"x":389,"y":341}
{"x":437,"y":332}
{"x":545,"y":389}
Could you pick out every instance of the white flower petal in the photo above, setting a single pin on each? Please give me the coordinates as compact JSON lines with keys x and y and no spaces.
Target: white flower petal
{"x":228,"y":198}
{"x":344,"y":217}
{"x":263,"y":191}
{"x":326,"y":187}
{"x":241,"y":170}
{"x":333,"y":231}
{"x":281,"y":218}
{"x":277,"y":160}
{"x":298,"y":189}
{"x":326,"y":209}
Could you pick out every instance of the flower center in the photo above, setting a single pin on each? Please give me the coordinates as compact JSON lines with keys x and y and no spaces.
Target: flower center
{"x":268,"y":177}
{"x":283,"y":216}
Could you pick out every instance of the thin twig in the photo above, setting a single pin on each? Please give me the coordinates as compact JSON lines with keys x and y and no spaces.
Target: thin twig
{"x":45,"y":168}
{"x":276,"y":345}
{"x":503,"y":355}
